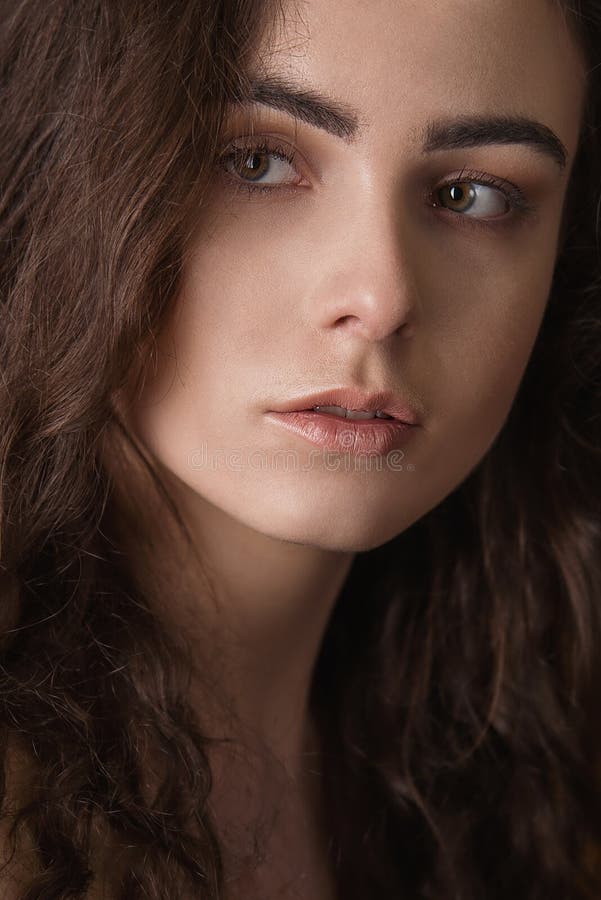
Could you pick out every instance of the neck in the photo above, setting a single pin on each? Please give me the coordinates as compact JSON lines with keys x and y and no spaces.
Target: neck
{"x":264,"y":625}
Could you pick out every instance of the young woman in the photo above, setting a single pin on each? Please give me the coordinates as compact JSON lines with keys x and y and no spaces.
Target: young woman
{"x":299,"y":460}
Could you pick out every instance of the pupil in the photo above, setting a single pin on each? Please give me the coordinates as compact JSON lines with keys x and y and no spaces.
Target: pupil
{"x":456,"y":193}
{"x":252,"y":162}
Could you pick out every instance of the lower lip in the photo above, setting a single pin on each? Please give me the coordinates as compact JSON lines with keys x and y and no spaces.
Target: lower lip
{"x":356,"y":436}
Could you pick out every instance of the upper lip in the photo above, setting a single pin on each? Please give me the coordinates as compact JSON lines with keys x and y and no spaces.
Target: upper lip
{"x":356,"y":399}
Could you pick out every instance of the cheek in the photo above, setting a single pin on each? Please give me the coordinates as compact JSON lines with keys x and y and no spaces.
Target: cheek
{"x":209,"y":362}
{"x":484,"y":356}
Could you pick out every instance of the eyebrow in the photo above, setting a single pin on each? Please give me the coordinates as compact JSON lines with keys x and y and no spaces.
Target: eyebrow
{"x":445,"y":133}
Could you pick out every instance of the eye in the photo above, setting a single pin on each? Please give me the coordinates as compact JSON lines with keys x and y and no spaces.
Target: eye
{"x":261,"y":167}
{"x":472,"y":199}
{"x":482,"y":197}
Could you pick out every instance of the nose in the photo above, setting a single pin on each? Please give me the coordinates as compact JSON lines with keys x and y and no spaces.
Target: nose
{"x":365,"y":276}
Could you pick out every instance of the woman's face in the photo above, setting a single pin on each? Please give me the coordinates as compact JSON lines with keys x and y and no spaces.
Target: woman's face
{"x":346,"y":274}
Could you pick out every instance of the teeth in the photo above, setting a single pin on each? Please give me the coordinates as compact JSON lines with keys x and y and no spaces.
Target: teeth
{"x":350,"y":413}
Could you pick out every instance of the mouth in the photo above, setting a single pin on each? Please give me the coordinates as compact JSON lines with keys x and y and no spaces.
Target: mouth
{"x":351,"y":403}
{"x":355,"y":414}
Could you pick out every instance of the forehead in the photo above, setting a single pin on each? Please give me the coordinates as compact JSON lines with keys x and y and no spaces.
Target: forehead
{"x":400,"y":61}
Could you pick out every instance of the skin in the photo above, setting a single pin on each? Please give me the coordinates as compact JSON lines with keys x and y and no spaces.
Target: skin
{"x":352,"y":279}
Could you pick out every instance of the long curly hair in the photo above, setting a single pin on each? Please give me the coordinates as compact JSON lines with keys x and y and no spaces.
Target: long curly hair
{"x":456,"y":685}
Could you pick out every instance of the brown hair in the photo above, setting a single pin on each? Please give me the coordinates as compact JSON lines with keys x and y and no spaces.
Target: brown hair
{"x":455,"y":686}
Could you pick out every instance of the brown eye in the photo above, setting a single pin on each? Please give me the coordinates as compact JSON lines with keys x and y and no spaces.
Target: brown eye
{"x":473,"y":199}
{"x":262,"y":167}
{"x":249,"y":164}
{"x":461,"y":195}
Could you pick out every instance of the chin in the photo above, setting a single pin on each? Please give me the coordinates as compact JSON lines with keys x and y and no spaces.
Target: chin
{"x":332,"y":533}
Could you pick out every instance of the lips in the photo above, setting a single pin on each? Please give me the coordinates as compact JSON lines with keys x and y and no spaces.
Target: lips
{"x":355,"y":436}
{"x":353,"y":398}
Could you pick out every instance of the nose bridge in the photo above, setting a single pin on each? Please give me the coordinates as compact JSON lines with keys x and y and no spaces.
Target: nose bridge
{"x":366,"y":279}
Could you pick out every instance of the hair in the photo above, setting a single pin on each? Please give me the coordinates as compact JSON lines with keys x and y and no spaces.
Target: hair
{"x":455,"y":686}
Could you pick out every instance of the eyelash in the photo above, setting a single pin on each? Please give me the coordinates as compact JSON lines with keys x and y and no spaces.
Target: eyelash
{"x":520,"y":206}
